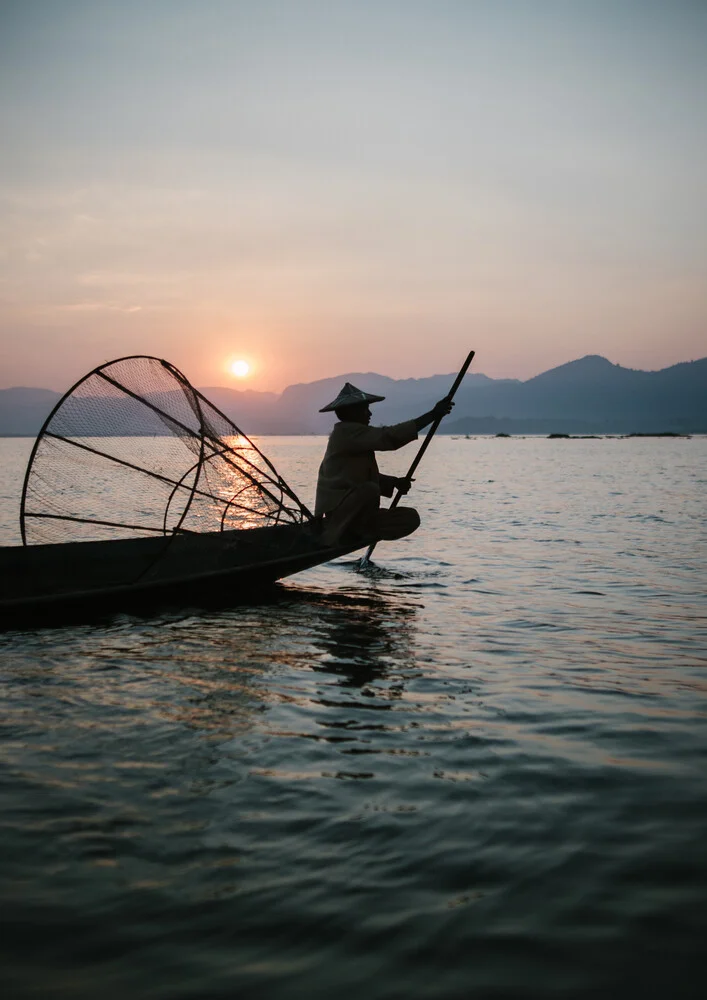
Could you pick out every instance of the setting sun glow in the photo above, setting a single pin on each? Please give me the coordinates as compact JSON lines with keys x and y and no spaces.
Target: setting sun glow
{"x":239,"y":368}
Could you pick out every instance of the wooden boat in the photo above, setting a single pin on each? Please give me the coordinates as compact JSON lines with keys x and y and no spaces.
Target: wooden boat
{"x":139,"y":489}
{"x":38,"y":583}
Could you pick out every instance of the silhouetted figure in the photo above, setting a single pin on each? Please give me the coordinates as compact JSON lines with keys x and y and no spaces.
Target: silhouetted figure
{"x":350,"y":486}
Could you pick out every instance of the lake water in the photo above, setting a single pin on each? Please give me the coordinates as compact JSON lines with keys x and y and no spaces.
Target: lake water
{"x":478,"y":771}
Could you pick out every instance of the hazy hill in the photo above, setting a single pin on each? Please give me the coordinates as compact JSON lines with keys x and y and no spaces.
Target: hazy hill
{"x":298,"y":405}
{"x":589,"y":395}
{"x":598,"y":396}
{"x":23,"y":411}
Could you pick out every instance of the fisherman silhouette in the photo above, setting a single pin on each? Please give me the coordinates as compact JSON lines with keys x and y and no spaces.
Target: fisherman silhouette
{"x":349,"y":486}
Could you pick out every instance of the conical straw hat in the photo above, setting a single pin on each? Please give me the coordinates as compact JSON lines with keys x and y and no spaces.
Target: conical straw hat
{"x":350,"y":396}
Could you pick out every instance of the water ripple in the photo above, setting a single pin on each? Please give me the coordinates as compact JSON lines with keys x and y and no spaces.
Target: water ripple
{"x":477,"y":769}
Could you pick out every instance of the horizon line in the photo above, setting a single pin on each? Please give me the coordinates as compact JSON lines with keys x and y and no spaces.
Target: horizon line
{"x":420,"y":378}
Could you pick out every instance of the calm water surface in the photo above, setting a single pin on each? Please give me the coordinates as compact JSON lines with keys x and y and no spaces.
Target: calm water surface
{"x":478,"y":771}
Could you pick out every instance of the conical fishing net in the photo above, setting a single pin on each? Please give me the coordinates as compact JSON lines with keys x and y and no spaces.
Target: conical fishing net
{"x":134,"y":450}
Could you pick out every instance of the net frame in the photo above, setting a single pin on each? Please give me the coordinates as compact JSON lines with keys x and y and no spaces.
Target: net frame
{"x":262,"y":496}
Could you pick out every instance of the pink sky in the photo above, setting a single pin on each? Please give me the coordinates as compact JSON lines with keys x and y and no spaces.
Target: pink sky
{"x":325,"y":188}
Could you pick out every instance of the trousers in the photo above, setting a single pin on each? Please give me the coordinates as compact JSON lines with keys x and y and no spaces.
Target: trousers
{"x":358,"y":517}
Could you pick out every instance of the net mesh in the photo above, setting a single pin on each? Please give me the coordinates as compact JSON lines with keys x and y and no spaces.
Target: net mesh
{"x":134,"y":449}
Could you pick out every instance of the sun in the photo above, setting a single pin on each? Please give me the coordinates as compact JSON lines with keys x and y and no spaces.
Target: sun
{"x":239,"y":368}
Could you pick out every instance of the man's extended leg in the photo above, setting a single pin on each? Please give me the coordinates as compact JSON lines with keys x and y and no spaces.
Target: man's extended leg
{"x":396,"y":523}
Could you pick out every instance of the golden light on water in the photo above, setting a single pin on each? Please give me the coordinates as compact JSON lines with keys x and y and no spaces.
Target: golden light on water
{"x":239,"y":368}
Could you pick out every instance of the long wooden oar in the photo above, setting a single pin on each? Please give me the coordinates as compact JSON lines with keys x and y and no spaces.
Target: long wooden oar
{"x":423,"y":448}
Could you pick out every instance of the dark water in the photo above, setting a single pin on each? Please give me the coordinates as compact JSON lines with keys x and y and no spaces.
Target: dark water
{"x":480,"y":771}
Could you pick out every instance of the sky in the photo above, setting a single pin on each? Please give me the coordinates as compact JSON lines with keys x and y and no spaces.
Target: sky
{"x":319,"y":187}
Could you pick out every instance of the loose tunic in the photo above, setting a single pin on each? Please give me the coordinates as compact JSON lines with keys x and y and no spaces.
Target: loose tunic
{"x":350,"y":460}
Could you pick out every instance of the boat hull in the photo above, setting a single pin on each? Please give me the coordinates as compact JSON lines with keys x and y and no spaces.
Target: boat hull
{"x":40,"y":582}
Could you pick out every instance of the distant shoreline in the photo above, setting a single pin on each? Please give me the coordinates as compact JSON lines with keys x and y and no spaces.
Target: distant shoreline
{"x":455,"y":435}
{"x":588,"y":396}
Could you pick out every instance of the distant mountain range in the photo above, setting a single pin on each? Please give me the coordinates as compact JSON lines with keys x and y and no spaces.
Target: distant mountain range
{"x":587,"y":396}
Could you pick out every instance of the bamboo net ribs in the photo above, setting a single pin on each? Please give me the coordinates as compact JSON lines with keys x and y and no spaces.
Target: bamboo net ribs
{"x":133,"y":449}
